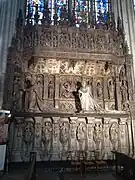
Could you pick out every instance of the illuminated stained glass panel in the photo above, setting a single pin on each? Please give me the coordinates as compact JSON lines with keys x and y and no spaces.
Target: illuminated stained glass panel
{"x":53,"y":5}
{"x":32,"y":5}
{"x":59,"y":4}
{"x":81,"y":8}
{"x":101,"y":6}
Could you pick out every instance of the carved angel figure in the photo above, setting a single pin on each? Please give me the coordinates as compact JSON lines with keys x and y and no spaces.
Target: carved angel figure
{"x":88,"y":103}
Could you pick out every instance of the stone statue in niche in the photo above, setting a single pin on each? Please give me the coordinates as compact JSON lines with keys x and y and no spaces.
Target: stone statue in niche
{"x":122,"y":75}
{"x":46,"y":138}
{"x":111,"y":89}
{"x":64,"y":136}
{"x":67,"y":89}
{"x":123,"y":89}
{"x":99,"y":90}
{"x":98,"y":135}
{"x":88,"y":103}
{"x":28,"y":139}
{"x":125,"y":107}
{"x":114,"y":135}
{"x":33,"y":92}
{"x":50,"y":90}
{"x":81,"y":136}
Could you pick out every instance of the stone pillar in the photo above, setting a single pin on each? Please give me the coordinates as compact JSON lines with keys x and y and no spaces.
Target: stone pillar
{"x":90,"y":145}
{"x":117,"y":93}
{"x":38,"y":136}
{"x":107,"y":148}
{"x":56,"y":143}
{"x":123,"y":135}
{"x":72,"y":136}
{"x":130,"y":136}
{"x":45,"y":86}
{"x":105,"y":93}
{"x":131,"y":29}
{"x":57,"y":83}
{"x":7,"y":28}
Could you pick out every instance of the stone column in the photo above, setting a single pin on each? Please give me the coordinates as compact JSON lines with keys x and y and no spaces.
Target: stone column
{"x":57,"y":83}
{"x":131,"y":29}
{"x":56,"y":143}
{"x":130,"y":136}
{"x":72,"y":134}
{"x":117,"y":94}
{"x":9,"y":14}
{"x":123,"y":135}
{"x":38,"y":136}
{"x":105,"y":93}
{"x":45,"y":87}
{"x":107,"y":148}
{"x":90,"y":145}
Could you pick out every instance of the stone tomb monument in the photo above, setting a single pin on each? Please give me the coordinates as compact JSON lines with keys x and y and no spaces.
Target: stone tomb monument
{"x":70,"y":93}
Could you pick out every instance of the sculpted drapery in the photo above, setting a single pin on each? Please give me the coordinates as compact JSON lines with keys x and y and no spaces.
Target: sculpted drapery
{"x":88,"y":103}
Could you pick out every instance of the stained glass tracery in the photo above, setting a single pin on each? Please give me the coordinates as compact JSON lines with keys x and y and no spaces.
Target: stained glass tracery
{"x":82,"y":9}
{"x":101,"y":8}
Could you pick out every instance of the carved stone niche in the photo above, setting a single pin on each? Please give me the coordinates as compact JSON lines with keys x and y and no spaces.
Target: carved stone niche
{"x":46,"y":145}
{"x":28,"y":138}
{"x":111,"y":88}
{"x":98,"y":136}
{"x":64,"y":137}
{"x":69,"y":100}
{"x":114,"y":134}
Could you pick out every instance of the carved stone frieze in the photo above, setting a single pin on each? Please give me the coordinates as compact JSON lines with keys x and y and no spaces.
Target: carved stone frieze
{"x":70,"y":38}
{"x":62,"y":138}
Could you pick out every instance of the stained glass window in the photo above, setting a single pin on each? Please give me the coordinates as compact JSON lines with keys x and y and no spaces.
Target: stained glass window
{"x":101,"y":8}
{"x":58,"y":5}
{"x":82,"y":9}
{"x":31,"y":8}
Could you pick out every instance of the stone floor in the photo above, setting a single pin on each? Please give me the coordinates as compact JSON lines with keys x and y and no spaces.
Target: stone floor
{"x":67,"y":176}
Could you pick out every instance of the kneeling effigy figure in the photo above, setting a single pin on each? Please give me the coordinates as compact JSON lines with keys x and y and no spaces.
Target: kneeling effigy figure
{"x":88,"y":103}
